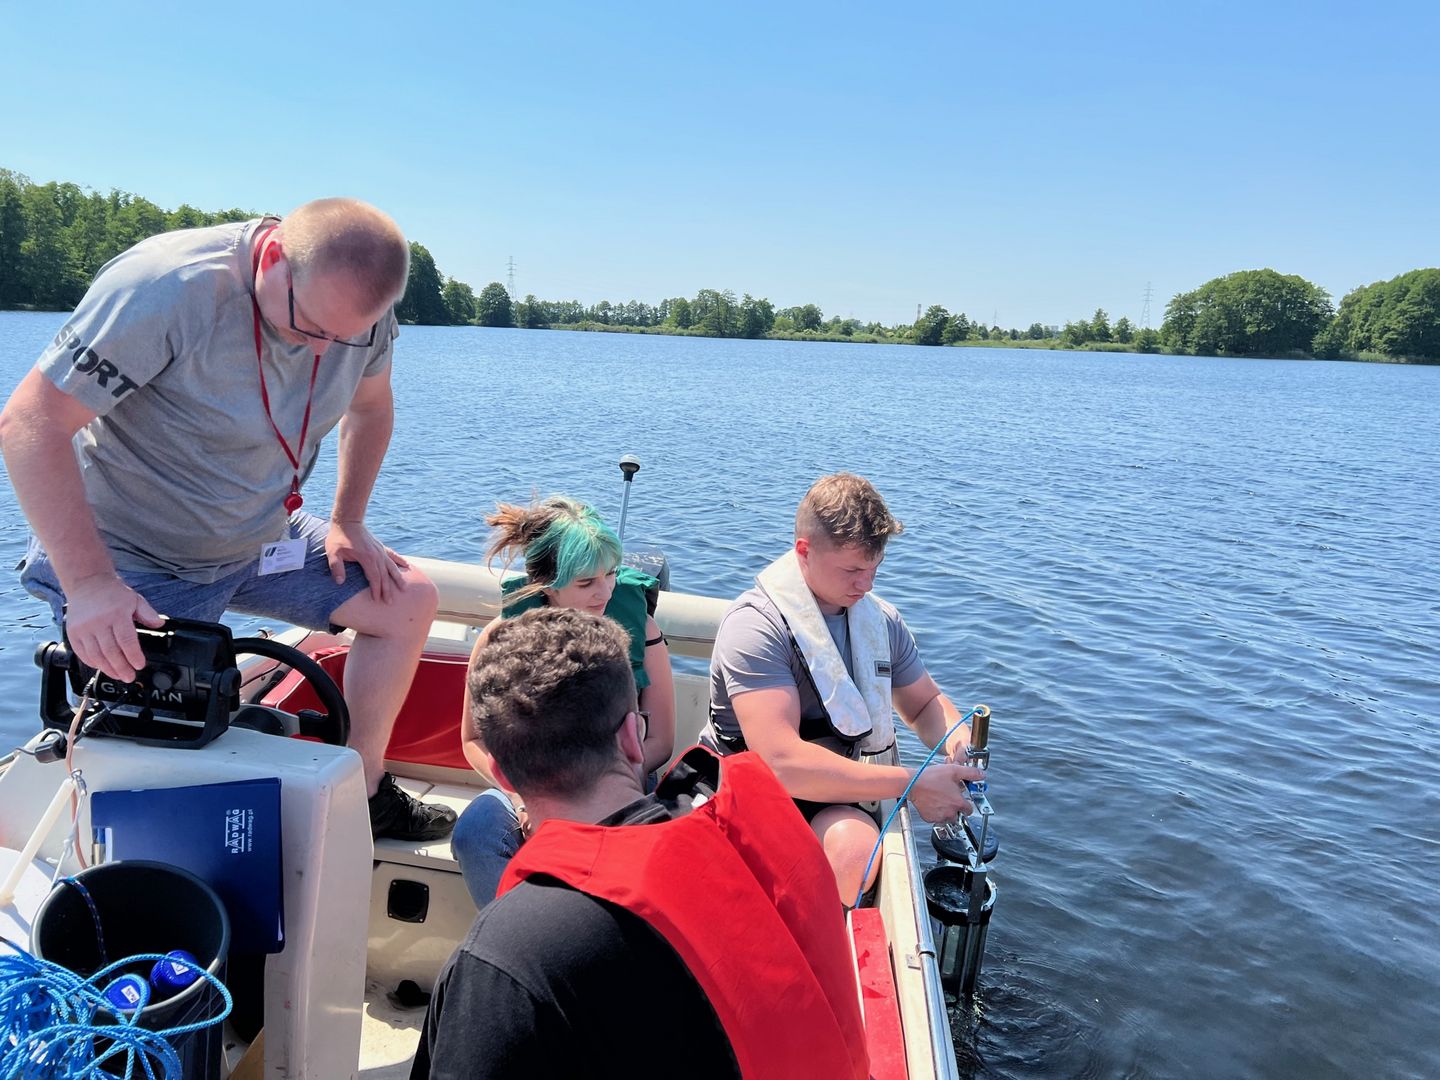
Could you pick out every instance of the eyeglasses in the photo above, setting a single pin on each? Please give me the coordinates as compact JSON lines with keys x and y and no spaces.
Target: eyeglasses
{"x":352,"y":343}
{"x":644,"y":715}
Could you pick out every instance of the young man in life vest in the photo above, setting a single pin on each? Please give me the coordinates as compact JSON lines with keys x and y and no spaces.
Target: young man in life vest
{"x":807,"y":667}
{"x":159,"y":445}
{"x":696,"y":930}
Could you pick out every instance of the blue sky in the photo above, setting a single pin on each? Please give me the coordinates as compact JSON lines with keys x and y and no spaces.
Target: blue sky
{"x":1026,"y":162}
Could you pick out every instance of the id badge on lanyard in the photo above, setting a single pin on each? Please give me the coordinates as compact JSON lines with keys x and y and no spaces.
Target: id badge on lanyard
{"x":281,"y":556}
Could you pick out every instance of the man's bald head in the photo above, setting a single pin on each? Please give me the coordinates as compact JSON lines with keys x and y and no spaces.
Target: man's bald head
{"x":349,"y":241}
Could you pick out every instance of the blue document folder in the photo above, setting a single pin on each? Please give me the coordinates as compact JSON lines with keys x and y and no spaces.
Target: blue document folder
{"x":227,"y":835}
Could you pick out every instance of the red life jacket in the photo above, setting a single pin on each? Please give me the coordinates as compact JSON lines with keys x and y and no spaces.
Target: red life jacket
{"x":741,"y":889}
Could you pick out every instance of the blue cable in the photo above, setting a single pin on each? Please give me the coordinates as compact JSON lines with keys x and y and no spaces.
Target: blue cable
{"x":48,"y":1023}
{"x":880,"y":840}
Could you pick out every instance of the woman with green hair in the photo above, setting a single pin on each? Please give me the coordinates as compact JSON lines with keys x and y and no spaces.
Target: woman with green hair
{"x":571,"y":560}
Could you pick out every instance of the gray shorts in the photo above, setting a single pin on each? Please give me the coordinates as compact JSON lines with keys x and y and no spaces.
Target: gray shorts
{"x":305,"y":597}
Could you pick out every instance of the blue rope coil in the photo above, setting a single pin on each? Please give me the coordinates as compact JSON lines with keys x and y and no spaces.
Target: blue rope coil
{"x":51,"y":1019}
{"x":906,"y":794}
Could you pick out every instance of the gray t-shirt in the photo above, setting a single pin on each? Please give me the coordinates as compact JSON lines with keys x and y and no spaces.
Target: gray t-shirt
{"x":181,"y":467}
{"x":753,"y":652}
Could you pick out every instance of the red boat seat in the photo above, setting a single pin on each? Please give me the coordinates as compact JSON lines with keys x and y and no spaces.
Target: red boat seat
{"x":878,"y":999}
{"x":427,"y":731}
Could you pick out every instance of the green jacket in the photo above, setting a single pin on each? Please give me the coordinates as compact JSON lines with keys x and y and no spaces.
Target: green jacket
{"x":627,"y":607}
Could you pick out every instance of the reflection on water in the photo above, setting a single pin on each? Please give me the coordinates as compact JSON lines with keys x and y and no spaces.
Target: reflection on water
{"x":1198,"y":594}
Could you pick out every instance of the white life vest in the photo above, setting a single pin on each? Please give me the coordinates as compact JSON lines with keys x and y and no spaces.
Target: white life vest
{"x":858,"y":706}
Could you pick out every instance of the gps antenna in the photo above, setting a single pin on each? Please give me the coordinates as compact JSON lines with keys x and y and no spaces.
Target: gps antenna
{"x":629,"y":466}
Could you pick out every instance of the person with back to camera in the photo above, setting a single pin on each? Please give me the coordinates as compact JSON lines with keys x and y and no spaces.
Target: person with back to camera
{"x":694,"y":931}
{"x":159,"y":446}
{"x":572,"y":560}
{"x":807,"y":667}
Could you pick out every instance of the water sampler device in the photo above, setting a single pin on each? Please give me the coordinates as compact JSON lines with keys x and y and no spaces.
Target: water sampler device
{"x":959,"y":891}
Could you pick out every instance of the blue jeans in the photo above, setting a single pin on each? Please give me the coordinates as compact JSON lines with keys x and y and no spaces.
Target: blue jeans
{"x":485,"y":839}
{"x":305,"y":597}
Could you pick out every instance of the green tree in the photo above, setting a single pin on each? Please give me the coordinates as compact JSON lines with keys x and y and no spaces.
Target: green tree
{"x":1148,"y":340}
{"x":1075,"y":334}
{"x":529,"y":313}
{"x":459,"y":301}
{"x":1100,"y":326}
{"x":930,"y":327}
{"x":807,"y":317}
{"x":12,"y":235}
{"x":131,"y":220}
{"x":715,"y":312}
{"x":1124,"y":330}
{"x":681,"y":316}
{"x":1248,"y":313}
{"x":756,"y":317}
{"x":1181,"y":315}
{"x":423,"y":302}
{"x":86,"y":236}
{"x":48,"y":277}
{"x":492,"y":308}
{"x":1036,"y":332}
{"x":186,"y":216}
{"x":1399,"y":318}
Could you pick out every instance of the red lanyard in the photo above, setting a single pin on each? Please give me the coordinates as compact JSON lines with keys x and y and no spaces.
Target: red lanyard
{"x":294,"y":500}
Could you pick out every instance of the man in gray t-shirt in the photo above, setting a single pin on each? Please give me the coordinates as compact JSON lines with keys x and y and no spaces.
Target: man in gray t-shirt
{"x":159,"y":446}
{"x":764,"y":697}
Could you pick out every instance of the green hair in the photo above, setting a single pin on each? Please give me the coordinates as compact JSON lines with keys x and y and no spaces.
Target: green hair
{"x":561,"y":539}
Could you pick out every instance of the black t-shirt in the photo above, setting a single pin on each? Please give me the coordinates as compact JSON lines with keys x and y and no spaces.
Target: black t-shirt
{"x":551,"y":982}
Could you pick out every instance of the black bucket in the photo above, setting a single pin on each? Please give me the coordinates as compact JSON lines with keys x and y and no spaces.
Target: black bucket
{"x":950,"y":890}
{"x":144,"y":907}
{"x":947,"y":895}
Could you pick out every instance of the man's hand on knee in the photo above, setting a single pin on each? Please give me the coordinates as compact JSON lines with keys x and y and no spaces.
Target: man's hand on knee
{"x":351,"y":541}
{"x":100,"y":617}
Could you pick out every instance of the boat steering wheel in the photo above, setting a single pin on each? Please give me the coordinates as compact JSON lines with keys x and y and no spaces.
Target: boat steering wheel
{"x":331,"y":726}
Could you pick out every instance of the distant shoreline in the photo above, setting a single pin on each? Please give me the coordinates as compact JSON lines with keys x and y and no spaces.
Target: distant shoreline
{"x":1047,"y":344}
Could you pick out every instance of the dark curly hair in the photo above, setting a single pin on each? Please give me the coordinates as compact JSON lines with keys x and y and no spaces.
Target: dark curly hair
{"x":547,"y":692}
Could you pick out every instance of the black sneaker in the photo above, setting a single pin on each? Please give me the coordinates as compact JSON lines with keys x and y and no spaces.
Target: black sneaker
{"x":397,"y":814}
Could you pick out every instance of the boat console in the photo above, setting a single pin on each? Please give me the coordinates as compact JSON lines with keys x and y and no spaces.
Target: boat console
{"x":181,"y":698}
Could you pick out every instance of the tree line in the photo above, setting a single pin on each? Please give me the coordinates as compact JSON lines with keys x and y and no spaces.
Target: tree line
{"x":55,"y":236}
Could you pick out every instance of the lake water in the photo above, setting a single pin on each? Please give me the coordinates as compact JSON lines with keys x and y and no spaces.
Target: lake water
{"x":1199,"y":595}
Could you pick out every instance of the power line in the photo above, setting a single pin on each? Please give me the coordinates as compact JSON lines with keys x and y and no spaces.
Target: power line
{"x":1145,"y":311}
{"x":510,"y":278}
